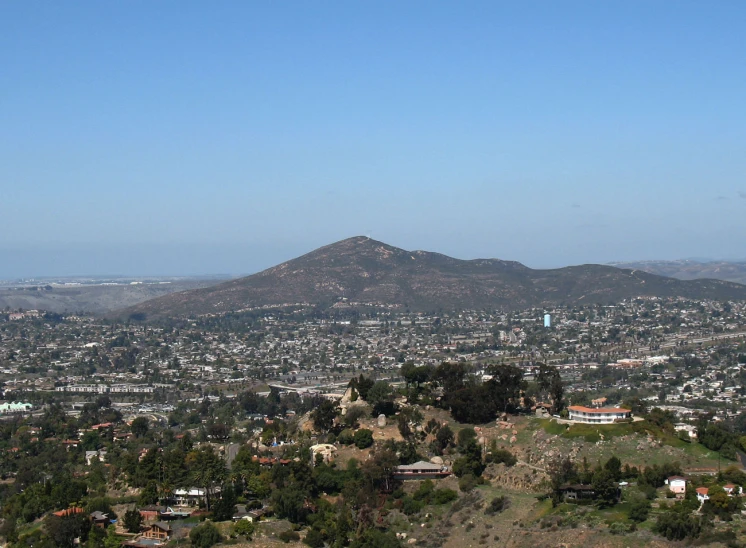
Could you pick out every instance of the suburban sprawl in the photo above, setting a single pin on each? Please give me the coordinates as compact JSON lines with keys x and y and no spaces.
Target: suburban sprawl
{"x":619,"y":424}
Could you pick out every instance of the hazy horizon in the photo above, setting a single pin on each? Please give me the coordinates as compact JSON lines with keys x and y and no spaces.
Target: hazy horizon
{"x":126,"y":260}
{"x":184,"y":138}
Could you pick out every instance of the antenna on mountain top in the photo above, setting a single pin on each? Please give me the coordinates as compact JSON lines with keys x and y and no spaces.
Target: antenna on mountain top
{"x":369,"y":234}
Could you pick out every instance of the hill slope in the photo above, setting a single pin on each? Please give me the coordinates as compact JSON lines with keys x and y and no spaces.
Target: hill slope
{"x":692,"y":270}
{"x":366,"y":271}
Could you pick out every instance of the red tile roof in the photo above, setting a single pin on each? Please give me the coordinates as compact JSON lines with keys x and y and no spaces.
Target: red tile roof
{"x":584,"y":409}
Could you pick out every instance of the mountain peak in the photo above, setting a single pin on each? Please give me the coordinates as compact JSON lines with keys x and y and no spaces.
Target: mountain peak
{"x":363,"y":272}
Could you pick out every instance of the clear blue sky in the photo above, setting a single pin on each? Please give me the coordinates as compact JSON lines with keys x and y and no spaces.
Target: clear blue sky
{"x":179,"y":137}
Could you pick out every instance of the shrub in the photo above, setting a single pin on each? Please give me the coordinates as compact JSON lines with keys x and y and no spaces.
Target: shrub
{"x":502,"y":456}
{"x":497,"y":505}
{"x":444,"y":496}
{"x":411,"y":506}
{"x":289,"y":536}
{"x":243,"y":528}
{"x":363,"y":438}
{"x":314,"y":539}
{"x":467,"y":483}
{"x":346,"y":437}
{"x":205,"y":536}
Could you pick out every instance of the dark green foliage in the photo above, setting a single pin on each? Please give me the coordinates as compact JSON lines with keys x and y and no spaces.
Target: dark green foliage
{"x":289,"y":536}
{"x":205,"y":535}
{"x":363,"y":438}
{"x":132,"y":520}
{"x":410,"y":505}
{"x":443,"y":496}
{"x":224,"y":508}
{"x":639,"y":510}
{"x":323,"y":416}
{"x":64,"y":530}
{"x":677,"y":523}
{"x":139,"y":427}
{"x":497,"y":505}
{"x":443,"y":439}
{"x":467,"y":483}
{"x":374,"y":538}
{"x":243,"y":528}
{"x":499,"y":456}
{"x":314,"y":539}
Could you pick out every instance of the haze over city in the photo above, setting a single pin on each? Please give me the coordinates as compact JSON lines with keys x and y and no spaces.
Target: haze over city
{"x":199,"y":138}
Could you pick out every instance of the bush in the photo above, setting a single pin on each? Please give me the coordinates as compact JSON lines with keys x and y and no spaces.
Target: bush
{"x":444,"y":496}
{"x":205,"y":536}
{"x":363,"y":438}
{"x":497,"y":505}
{"x":314,"y":539}
{"x":346,"y":437}
{"x":243,"y":528}
{"x":499,"y":456}
{"x":639,"y":510}
{"x":411,"y":506}
{"x":467,"y":483}
{"x":289,"y":536}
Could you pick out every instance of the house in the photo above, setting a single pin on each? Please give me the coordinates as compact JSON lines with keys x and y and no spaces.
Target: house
{"x":607,"y":415}
{"x":69,"y":512}
{"x":421,"y":470}
{"x":732,"y":490}
{"x":703,"y":494}
{"x":192,"y":497}
{"x":577,"y":491}
{"x":159,"y":530}
{"x":90,"y":455}
{"x":677,"y":485}
{"x":151,"y":513}
{"x":99,"y":519}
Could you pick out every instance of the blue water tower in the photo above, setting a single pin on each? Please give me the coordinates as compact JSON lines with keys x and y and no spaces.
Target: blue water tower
{"x":547,"y":320}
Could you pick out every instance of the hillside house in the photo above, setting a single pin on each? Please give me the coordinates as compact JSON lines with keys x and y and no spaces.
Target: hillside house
{"x":677,"y":485}
{"x":607,"y":415}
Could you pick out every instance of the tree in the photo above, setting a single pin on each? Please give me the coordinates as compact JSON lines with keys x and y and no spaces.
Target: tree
{"x":557,"y":391}
{"x":363,"y":438}
{"x":323,"y":416}
{"x":206,"y":469}
{"x":132,"y":520}
{"x":443,"y":439}
{"x":243,"y":528}
{"x":607,"y":492}
{"x":639,"y":510}
{"x":205,"y":536}
{"x":614,"y":466}
{"x":139,"y":427}
{"x":225,"y":506}
{"x":64,"y":530}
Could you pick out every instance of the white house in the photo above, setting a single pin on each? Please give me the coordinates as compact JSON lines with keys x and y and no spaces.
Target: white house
{"x":677,"y":485}
{"x":608,"y":415}
{"x":703,"y":494}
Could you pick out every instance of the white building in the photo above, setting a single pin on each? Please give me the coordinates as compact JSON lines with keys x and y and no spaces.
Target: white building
{"x":579,"y":413}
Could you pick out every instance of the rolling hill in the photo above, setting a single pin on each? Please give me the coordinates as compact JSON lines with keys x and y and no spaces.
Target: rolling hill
{"x":687,"y":269}
{"x":360,"y":271}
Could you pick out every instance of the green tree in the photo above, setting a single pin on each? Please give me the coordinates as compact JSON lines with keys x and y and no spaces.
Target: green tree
{"x":363,"y":438}
{"x":323,"y":416}
{"x":132,"y":520}
{"x":139,"y":427}
{"x":205,"y":536}
{"x":206,"y":469}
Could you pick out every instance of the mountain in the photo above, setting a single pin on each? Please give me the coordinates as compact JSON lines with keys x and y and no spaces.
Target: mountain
{"x":90,"y":298}
{"x":691,"y":270}
{"x":362,"y":270}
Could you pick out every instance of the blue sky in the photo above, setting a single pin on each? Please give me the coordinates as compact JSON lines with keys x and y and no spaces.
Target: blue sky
{"x":179,"y":137}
